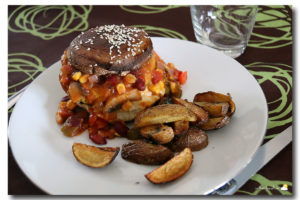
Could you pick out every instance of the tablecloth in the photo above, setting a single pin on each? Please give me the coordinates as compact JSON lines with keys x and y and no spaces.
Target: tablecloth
{"x":37,"y":36}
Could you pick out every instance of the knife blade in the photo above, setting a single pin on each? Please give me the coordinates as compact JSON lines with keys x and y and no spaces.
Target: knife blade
{"x":263,"y":155}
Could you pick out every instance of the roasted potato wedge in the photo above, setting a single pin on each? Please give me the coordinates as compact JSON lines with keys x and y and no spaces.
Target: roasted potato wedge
{"x":215,"y":123}
{"x":202,"y":115}
{"x":194,"y":138}
{"x":141,"y":152}
{"x":164,"y":113}
{"x":180,"y":127}
{"x":162,"y":134}
{"x":95,"y":157}
{"x":214,"y":109}
{"x":214,"y":97}
{"x":173,"y":169}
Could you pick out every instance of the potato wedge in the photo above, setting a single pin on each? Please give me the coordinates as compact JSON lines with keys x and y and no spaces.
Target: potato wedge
{"x":215,"y":123}
{"x":202,"y":115}
{"x":164,"y":113}
{"x":194,"y":138}
{"x":214,"y":109}
{"x":141,"y":152}
{"x":162,"y":134}
{"x":180,"y":127}
{"x":173,"y":169}
{"x":214,"y":97}
{"x":92,"y":156}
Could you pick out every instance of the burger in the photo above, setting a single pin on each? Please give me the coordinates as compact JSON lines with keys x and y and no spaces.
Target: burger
{"x":109,"y":74}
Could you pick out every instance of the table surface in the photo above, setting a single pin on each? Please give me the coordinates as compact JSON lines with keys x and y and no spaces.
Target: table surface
{"x":38,"y":35}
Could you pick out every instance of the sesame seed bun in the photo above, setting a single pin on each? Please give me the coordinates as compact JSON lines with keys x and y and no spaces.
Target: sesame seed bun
{"x":110,"y":49}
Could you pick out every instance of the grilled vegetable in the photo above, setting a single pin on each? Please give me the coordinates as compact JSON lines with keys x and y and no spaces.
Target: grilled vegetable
{"x":159,"y":133}
{"x":202,"y":115}
{"x":164,"y":113}
{"x":194,"y":138}
{"x":141,"y":152}
{"x":95,"y":157}
{"x":173,"y":169}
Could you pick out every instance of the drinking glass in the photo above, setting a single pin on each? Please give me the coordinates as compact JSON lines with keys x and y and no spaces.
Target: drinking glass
{"x":225,"y":28}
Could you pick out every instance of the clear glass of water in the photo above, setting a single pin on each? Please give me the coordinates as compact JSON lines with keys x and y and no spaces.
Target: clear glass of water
{"x":225,"y":28}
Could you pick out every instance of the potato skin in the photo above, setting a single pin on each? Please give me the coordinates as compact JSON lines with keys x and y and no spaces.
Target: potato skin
{"x":194,"y":138}
{"x":141,"y":152}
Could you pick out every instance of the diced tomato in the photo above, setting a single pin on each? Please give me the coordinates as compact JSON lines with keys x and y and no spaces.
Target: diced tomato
{"x":67,"y":70}
{"x":182,"y":77}
{"x":121,"y":128}
{"x":97,"y":138}
{"x":156,"y":76}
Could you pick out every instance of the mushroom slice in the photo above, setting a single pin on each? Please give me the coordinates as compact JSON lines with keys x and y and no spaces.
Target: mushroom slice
{"x":160,"y":133}
{"x":92,"y":156}
{"x":173,"y":169}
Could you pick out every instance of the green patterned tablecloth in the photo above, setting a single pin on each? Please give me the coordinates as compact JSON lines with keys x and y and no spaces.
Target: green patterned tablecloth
{"x":38,"y":35}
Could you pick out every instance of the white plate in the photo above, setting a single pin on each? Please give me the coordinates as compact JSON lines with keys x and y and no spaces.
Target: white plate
{"x":45,"y":154}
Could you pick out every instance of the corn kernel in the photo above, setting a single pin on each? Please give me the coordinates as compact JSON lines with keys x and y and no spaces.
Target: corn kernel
{"x":130,"y":78}
{"x":84,"y":78}
{"x":152,"y":63}
{"x":71,"y":105}
{"x":76,"y":76}
{"x":158,"y":88}
{"x":121,"y":88}
{"x":127,"y":105}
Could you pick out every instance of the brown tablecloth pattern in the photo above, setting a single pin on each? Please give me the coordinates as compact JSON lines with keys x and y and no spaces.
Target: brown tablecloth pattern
{"x":38,"y":35}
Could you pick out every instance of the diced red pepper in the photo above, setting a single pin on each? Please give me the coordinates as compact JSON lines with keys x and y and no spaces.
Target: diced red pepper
{"x":182,"y":77}
{"x":156,"y":76}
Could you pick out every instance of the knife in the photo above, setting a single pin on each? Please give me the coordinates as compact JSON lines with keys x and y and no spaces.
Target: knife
{"x":263,"y":155}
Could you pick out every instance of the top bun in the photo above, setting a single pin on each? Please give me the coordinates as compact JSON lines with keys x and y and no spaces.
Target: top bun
{"x":110,"y":49}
